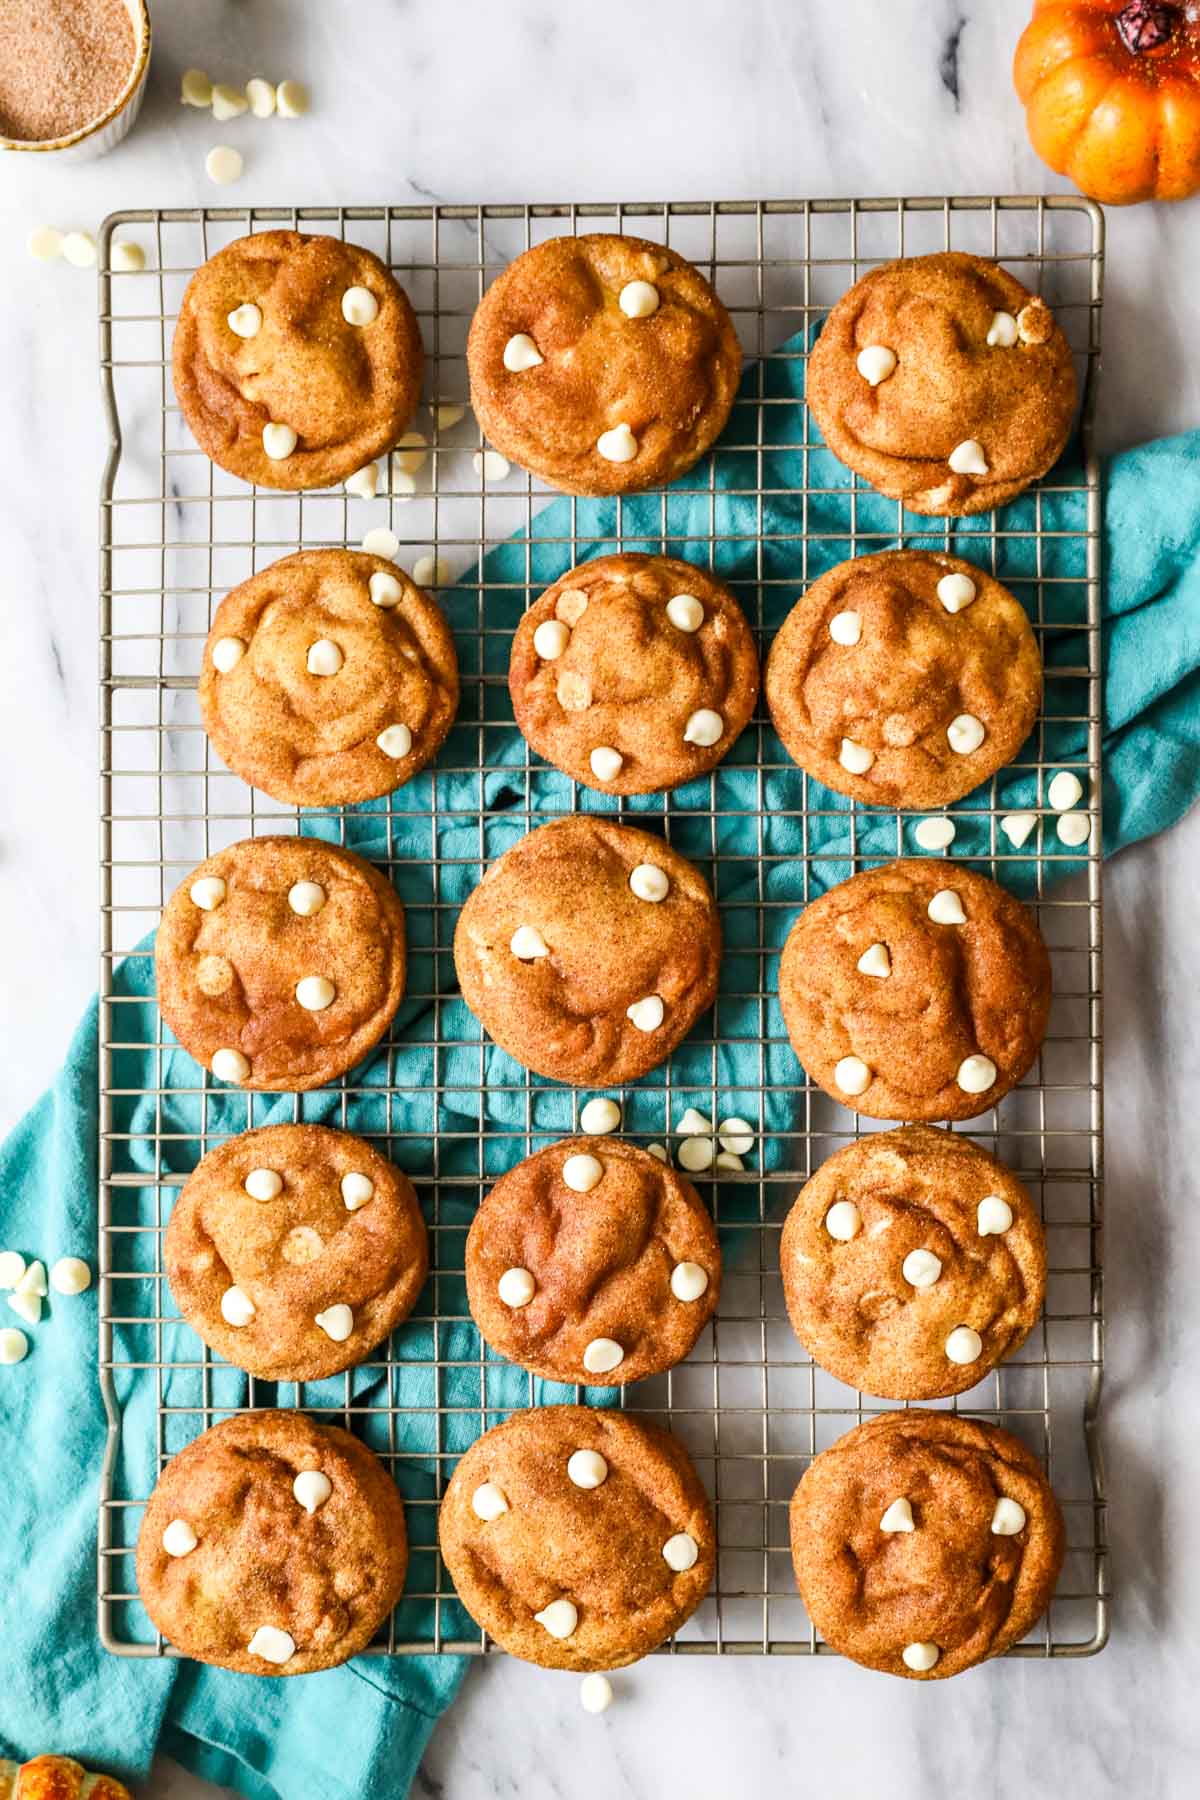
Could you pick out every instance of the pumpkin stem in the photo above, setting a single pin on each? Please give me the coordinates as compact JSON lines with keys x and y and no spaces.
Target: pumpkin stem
{"x":1146,"y":25}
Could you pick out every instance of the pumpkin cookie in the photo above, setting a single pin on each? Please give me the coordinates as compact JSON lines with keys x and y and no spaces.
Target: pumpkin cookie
{"x":272,"y":1545}
{"x":280,"y":962}
{"x":904,"y":679}
{"x":293,"y":1251}
{"x":943,"y":382}
{"x":633,"y":673}
{"x":589,"y":950}
{"x":912,"y":1263}
{"x":297,"y":359}
{"x":924,"y":1542}
{"x":593,"y":1262}
{"x":578,"y":1539}
{"x":604,"y":364}
{"x":916,"y":991}
{"x":328,"y":678}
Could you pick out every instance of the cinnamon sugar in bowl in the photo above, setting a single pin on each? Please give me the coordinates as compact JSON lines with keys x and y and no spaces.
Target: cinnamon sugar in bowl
{"x":72,"y":74}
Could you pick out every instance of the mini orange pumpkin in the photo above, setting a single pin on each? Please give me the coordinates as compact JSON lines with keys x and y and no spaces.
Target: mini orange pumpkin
{"x":1112,"y":95}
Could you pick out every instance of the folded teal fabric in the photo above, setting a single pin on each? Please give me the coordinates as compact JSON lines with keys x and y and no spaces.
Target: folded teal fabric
{"x":460,"y":1107}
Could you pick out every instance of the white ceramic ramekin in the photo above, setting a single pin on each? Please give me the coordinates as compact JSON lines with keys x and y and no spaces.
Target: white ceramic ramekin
{"x":104,"y":133}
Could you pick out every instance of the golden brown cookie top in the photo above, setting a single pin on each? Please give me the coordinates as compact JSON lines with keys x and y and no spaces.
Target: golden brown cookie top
{"x":272,"y":1545}
{"x":963,"y":1579}
{"x":633,"y":673}
{"x":592,"y":1262}
{"x":280,"y":962}
{"x":904,"y":679}
{"x":944,"y":382}
{"x":920,"y":990}
{"x":578,"y":1539}
{"x":297,"y":359}
{"x":589,"y":950}
{"x":294,"y":1250}
{"x":328,"y":678}
{"x":912,"y":1263}
{"x":604,"y":364}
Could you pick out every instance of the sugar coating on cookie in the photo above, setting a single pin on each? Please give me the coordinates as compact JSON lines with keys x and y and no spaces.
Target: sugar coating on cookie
{"x":955,"y":1022}
{"x":575,"y":1575}
{"x":278,"y":385}
{"x":272,"y":1585}
{"x":876,"y":1308}
{"x":622,"y":656}
{"x":296,"y":1251}
{"x":914,"y":389}
{"x":603,"y":364}
{"x":935,"y":641}
{"x":956,"y":1588}
{"x":603,"y":1259}
{"x":229,"y":976}
{"x":566,"y":1014}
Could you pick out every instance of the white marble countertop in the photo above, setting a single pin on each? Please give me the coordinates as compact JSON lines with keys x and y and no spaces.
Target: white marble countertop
{"x":469,"y":99}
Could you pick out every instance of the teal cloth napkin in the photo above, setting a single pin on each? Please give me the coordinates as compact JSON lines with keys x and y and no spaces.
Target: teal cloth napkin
{"x":359,"y":1731}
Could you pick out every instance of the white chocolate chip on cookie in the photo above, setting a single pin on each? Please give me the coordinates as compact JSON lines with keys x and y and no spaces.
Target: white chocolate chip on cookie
{"x":898,"y":1517}
{"x":618,"y":445}
{"x":843,"y":1221}
{"x":968,"y":458}
{"x":955,"y":591}
{"x":488,"y":1502}
{"x":208,"y":892}
{"x":976,"y":1074}
{"x":582,"y":1172}
{"x":1002,"y":331}
{"x":852,"y":1075}
{"x":921,"y":1268}
{"x":875,"y":960}
{"x":360,"y":307}
{"x":846,"y":628}
{"x":964,"y":734}
{"x":516,"y":1288}
{"x":856,"y":759}
{"x":278,"y":441}
{"x":315,"y":992}
{"x":704,"y":729}
{"x":946,"y":908}
{"x":875,"y":363}
{"x":647,"y":1014}
{"x":638,"y":299}
{"x":521,"y":353}
{"x":337,"y":1322}
{"x":993,"y":1216}
{"x":551,"y":639}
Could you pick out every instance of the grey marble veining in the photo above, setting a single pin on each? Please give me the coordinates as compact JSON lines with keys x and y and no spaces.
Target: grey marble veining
{"x":467,"y":99}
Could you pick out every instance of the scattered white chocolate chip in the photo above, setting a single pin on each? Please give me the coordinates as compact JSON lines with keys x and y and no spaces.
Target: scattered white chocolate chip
{"x":647,"y":1014}
{"x":227,"y":653}
{"x":1065,"y":791}
{"x":688,"y":1281}
{"x":657,"y":1151}
{"x":312,"y":1489}
{"x":385,"y":589}
{"x":935,"y":834}
{"x":14,"y":1346}
{"x":491,"y":465}
{"x":875,"y":960}
{"x":618,"y":445}
{"x":79,"y":249}
{"x":968,"y":458}
{"x":195,"y":89}
{"x":736,"y":1135}
{"x":681,"y":1552}
{"x":364,"y":485}
{"x":856,"y":759}
{"x":685,"y":612}
{"x":846,"y":628}
{"x":921,"y":1268}
{"x":395,"y":741}
{"x":976,"y":1074}
{"x":729,"y":1159}
{"x":595,"y":1693}
{"x":1073,"y":830}
{"x":380,"y":541}
{"x":272,"y":1644}
{"x":278,"y":441}
{"x":360,"y":307}
{"x":964,"y":1345}
{"x":12,"y":1268}
{"x":559,"y":1618}
{"x":605,"y":762}
{"x":693,"y":1123}
{"x":230,"y":1065}
{"x":263,"y":1184}
{"x":993,"y":1216}
{"x":337,"y":1322}
{"x":431,"y":571}
{"x":306,"y":898}
{"x":898,"y":1517}
{"x":261,"y":95}
{"x":179,"y":1539}
{"x":705,"y":728}
{"x":516,"y":1287}
{"x":44,"y":243}
{"x":697,"y":1154}
{"x":599,"y":1117}
{"x":920,"y":1657}
{"x":946,"y":908}
{"x":587,"y":1468}
{"x":649,"y":882}
{"x":551,"y":639}
{"x":26,"y":1306}
{"x":291,"y":99}
{"x":33,"y":1281}
{"x":852,"y":1075}
{"x":965,"y":734}
{"x":1018,"y":827}
{"x":324,"y":657}
{"x":1002,"y":331}
{"x":488,"y":1502}
{"x":223,"y":164}
{"x":1008,"y":1518}
{"x":570,"y":606}
{"x":638,"y":299}
{"x":955,"y":591}
{"x":228,"y":102}
{"x":521,"y":353}
{"x":357,"y":1189}
{"x":207,"y":892}
{"x":237,"y":1308}
{"x":528,"y":944}
{"x":602,"y":1356}
{"x":126,"y":257}
{"x":582,"y":1172}
{"x":411,"y":452}
{"x":875,"y":363}
{"x":315,"y":992}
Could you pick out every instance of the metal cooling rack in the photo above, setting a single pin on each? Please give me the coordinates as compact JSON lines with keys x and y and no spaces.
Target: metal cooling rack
{"x":176,"y":533}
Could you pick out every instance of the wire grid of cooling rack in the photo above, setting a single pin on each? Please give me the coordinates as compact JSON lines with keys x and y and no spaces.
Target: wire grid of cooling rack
{"x":177,"y":533}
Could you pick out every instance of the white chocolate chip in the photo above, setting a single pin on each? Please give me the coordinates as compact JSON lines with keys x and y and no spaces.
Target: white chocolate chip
{"x":491,"y":465}
{"x":1018,"y":827}
{"x":697,"y":1154}
{"x":921,"y":1268}
{"x":852,"y":1075}
{"x":920,"y":1657}
{"x":521,"y":353}
{"x":964,"y":1345}
{"x":261,"y":95}
{"x":291,"y":99}
{"x":126,"y":258}
{"x":976,"y":1074}
{"x":306,"y":898}
{"x":14,"y":1346}
{"x":729,"y":1159}
{"x":946,"y":908}
{"x":602,"y":1356}
{"x":993,"y":1216}
{"x":272,"y":1645}
{"x":315,"y":992}
{"x":551,"y":639}
{"x":446,"y":417}
{"x":385,"y":589}
{"x":324,"y":657}
{"x":230,"y":1065}
{"x":312,"y":1489}
{"x":26,"y":1306}
{"x":685,"y":612}
{"x":935,"y":834}
{"x":618,"y":445}
{"x":681,"y":1552}
{"x":846,"y":628}
{"x":559,"y":1618}
{"x":657,"y":1151}
{"x":587,"y":1469}
{"x":856,"y":759}
{"x":432,"y":571}
{"x":179,"y":1539}
{"x":693,"y":1123}
{"x":875,"y":363}
{"x":1073,"y":830}
{"x":595,"y":1693}
{"x":1002,"y":331}
{"x":79,"y":248}
{"x":337,"y":1322}
{"x":528,"y":944}
{"x":1035,"y":322}
{"x":357,"y":1189}
{"x":411,"y":452}
{"x":360,"y":307}
{"x":638,"y":299}
{"x":237,"y":1308}
{"x":223,"y":165}
{"x":488,"y":1502}
{"x":12,"y":1268}
{"x":582,"y":1172}
{"x":380,"y":541}
{"x":395,"y":741}
{"x":516,"y":1288}
{"x":955,"y":591}
{"x":44,"y":243}
{"x":1065,"y":791}
{"x":570,"y":606}
{"x":207,"y":892}
{"x":228,"y":102}
{"x":599,"y":1117}
{"x":1008,"y":1518}
{"x":704,"y":728}
{"x":33,"y":1281}
{"x":263,"y":1184}
{"x":843,"y":1221}
{"x":688,"y":1281}
{"x":736,"y":1135}
{"x":646,"y":1014}
{"x":649,"y":882}
{"x":968,"y":458}
{"x":898,"y":1517}
{"x":227,"y":653}
{"x":278,"y":441}
{"x":364,"y":485}
{"x":965,"y":734}
{"x":195,"y":89}
{"x":875,"y":960}
{"x":606,"y":763}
